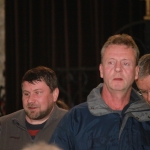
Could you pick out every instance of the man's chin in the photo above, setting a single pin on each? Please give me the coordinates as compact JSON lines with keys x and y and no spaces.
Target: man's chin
{"x":32,"y":115}
{"x":118,"y":88}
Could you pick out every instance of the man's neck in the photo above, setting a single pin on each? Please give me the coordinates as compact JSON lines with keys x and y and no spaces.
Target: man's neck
{"x":116,"y":100}
{"x":34,"y":129}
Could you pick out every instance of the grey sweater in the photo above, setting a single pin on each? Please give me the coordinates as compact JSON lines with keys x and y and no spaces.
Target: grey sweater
{"x":14,"y":134}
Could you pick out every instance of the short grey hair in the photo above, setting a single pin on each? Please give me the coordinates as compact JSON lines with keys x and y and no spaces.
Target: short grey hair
{"x":121,"y":39}
{"x":144,"y":66}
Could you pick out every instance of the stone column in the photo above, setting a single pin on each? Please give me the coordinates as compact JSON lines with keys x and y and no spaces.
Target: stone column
{"x":2,"y":58}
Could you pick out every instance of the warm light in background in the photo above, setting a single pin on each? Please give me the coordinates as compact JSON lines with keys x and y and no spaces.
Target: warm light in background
{"x":147,"y":17}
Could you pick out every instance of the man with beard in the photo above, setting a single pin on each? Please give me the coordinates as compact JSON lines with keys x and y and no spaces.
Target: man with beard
{"x":40,"y":116}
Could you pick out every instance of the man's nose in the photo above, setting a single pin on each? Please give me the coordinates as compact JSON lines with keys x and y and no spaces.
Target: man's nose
{"x":31,"y":98}
{"x":118,"y":67}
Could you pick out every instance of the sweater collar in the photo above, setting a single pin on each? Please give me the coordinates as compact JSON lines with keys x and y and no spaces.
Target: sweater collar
{"x":98,"y":107}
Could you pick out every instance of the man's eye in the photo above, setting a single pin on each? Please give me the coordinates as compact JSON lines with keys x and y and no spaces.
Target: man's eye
{"x":38,"y":92}
{"x":111,"y":62}
{"x":126,"y":63}
{"x":26,"y":94}
{"x":144,"y":92}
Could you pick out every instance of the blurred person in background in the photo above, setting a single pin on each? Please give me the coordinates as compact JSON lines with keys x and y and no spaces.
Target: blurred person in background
{"x":41,"y":146}
{"x":143,"y":81}
{"x":60,"y":103}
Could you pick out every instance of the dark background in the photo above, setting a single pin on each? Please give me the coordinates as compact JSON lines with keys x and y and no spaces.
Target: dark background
{"x":66,"y":35}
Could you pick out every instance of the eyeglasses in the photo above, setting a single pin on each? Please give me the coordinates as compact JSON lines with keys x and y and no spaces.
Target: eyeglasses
{"x":144,"y":92}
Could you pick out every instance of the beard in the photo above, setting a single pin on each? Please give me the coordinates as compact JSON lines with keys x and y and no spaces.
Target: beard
{"x":38,"y":114}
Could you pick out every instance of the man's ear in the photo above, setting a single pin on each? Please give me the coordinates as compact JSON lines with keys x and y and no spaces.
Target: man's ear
{"x":101,"y":70}
{"x":55,"y":94}
{"x":136,"y":72}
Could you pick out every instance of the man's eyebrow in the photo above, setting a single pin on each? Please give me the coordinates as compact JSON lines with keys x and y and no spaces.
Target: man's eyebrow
{"x":37,"y":90}
{"x":25,"y":91}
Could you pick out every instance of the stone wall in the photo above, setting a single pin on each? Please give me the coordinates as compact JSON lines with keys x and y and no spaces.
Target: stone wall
{"x":2,"y":59}
{"x":2,"y":41}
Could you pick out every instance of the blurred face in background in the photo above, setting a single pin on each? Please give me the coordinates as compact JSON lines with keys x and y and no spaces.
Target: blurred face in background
{"x":143,"y":85}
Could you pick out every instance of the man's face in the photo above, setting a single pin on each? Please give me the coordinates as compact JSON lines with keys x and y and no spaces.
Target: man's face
{"x":143,"y":85}
{"x":118,"y":68}
{"x":38,"y":101}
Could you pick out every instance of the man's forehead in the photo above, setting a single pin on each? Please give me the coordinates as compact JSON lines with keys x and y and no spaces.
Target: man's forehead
{"x":144,"y":83}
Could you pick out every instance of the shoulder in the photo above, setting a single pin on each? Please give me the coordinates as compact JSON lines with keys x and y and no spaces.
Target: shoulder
{"x":59,"y":111}
{"x":75,"y":119}
{"x":57,"y":114}
{"x":80,"y":108}
{"x":78,"y":112}
{"x":9,"y":117}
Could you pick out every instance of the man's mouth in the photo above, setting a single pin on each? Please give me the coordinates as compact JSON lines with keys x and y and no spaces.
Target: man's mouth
{"x":118,"y":79}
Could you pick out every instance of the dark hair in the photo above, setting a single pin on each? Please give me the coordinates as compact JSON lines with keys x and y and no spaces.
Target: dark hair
{"x":144,"y":66}
{"x":41,"y":73}
{"x":121,"y":39}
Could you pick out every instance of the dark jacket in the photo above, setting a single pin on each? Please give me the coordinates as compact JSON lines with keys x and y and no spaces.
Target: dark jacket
{"x":14,"y":134}
{"x":94,"y":126}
